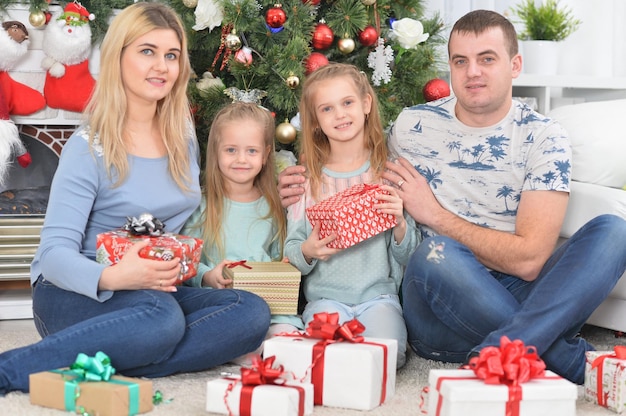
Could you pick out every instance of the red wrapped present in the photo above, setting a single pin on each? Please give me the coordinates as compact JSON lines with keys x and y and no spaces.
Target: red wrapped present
{"x":111,"y":245}
{"x":346,"y":369}
{"x":605,"y":378}
{"x":506,"y":380}
{"x":350,"y":215}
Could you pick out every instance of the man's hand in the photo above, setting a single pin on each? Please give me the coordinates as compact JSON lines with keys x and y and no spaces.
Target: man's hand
{"x":522,"y":253}
{"x":290,"y":182}
{"x":419,"y":200}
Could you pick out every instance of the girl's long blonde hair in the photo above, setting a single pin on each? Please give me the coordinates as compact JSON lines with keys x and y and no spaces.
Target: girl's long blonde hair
{"x":315,"y":144}
{"x":265,"y":181}
{"x":106,"y":110}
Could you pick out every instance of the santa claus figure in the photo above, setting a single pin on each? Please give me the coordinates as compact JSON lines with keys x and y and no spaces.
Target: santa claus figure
{"x":15,"y":97}
{"x":67,"y":45}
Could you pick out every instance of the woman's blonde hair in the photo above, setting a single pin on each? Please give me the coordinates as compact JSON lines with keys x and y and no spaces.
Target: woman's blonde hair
{"x":214,"y":186}
{"x":106,"y":110}
{"x":315,"y":144}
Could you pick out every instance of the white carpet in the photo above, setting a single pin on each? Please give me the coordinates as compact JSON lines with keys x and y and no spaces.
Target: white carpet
{"x":187,"y":391}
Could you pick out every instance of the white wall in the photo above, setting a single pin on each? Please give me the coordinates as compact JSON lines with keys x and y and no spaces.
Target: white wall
{"x":597,"y":48}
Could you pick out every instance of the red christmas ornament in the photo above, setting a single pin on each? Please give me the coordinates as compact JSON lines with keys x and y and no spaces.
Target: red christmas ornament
{"x":322,"y":36}
{"x":369,"y":36}
{"x":313,"y":2}
{"x":435,"y":89}
{"x":275,"y":17}
{"x":315,"y":61}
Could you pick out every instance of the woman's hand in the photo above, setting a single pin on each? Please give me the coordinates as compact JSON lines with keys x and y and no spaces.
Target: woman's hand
{"x":133,"y":272}
{"x":315,"y":248}
{"x":213,"y":278}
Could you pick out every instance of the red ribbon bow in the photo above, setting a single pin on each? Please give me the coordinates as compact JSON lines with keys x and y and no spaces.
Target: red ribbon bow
{"x":262,"y":372}
{"x":239,"y":263}
{"x":326,"y":326}
{"x":511,"y":364}
{"x":365,"y":189}
{"x":619,"y":352}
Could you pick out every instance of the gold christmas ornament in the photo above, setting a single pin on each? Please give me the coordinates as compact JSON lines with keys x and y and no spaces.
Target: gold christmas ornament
{"x":368,"y":2}
{"x":37,"y":19}
{"x":293,"y":82}
{"x":346,"y":45}
{"x":286,"y":133}
{"x":232,"y":41}
{"x":190,"y":3}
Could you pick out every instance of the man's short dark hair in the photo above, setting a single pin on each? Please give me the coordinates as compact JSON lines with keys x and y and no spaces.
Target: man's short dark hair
{"x":478,"y":21}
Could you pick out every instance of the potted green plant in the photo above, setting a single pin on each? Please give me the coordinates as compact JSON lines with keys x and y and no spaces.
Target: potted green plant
{"x":545,"y":24}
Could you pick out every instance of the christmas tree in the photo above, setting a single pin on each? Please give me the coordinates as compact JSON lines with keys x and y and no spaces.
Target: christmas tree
{"x":262,"y":51}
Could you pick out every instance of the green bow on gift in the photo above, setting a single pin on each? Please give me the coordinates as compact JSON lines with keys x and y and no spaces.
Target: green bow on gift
{"x":96,"y":368}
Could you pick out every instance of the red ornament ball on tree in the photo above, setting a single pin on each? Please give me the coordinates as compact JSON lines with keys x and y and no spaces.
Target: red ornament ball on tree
{"x":275,"y":17}
{"x":436,"y":89}
{"x":369,"y":36}
{"x":322,"y":36}
{"x":315,"y":61}
{"x":313,"y":2}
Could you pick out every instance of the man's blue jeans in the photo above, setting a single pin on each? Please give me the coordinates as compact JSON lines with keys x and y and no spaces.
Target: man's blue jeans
{"x":144,"y":332}
{"x":454,"y":306}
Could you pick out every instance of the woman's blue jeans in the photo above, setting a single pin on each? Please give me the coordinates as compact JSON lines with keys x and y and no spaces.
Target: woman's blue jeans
{"x":454,"y":306}
{"x":144,"y":332}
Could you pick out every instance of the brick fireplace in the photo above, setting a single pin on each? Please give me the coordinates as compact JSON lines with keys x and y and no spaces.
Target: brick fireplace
{"x":24,"y":195}
{"x":23,"y":201}
{"x":25,"y":189}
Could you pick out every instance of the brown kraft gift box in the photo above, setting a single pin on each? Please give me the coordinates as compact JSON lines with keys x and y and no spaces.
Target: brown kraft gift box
{"x":103,"y":398}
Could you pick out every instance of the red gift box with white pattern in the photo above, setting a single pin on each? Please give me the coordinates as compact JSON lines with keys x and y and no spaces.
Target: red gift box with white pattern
{"x":350,"y":215}
{"x":111,"y":246}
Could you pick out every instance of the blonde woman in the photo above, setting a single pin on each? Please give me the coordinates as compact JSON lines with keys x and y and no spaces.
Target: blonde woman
{"x":135,"y":153}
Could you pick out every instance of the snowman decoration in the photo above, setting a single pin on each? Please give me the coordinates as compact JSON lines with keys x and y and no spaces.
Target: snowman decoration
{"x":67,"y":45}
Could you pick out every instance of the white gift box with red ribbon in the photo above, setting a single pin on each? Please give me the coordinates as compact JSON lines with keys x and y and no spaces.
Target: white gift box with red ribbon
{"x":605,"y":378}
{"x":259,"y":400}
{"x":354,"y":375}
{"x":350,"y":215}
{"x":462,"y":393}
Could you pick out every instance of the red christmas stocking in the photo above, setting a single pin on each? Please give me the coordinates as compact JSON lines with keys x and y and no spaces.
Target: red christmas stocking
{"x":71,"y":91}
{"x":20,"y":99}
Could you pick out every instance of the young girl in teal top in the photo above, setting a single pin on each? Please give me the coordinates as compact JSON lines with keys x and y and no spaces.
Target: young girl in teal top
{"x":240,"y":216}
{"x":343,"y":144}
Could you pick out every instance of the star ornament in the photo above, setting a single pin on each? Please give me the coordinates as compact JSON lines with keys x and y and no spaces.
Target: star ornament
{"x":249,"y":96}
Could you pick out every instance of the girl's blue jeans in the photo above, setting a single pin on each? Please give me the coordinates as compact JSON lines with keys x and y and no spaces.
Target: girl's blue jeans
{"x":144,"y":332}
{"x":454,"y":306}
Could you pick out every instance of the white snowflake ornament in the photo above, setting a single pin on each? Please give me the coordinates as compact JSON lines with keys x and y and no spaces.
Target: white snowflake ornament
{"x":379,"y":60}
